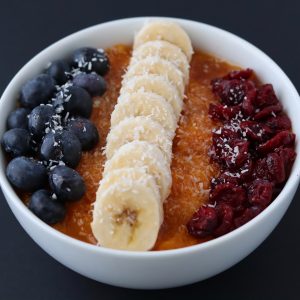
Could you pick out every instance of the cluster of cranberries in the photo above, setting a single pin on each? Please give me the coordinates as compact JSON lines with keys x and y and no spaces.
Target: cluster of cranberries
{"x":48,"y":132}
{"x":254,"y":149}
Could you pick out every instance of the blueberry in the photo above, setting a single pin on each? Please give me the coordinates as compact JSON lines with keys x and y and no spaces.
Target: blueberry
{"x":91,"y":82}
{"x":75,"y":100}
{"x":90,"y":59}
{"x":66,"y":183}
{"x":46,"y":208}
{"x":26,"y":174}
{"x":18,"y":118}
{"x":86,"y":132}
{"x":61,"y":146}
{"x":57,"y":70}
{"x":39,"y":120}
{"x":16,"y":142}
{"x":38,"y":90}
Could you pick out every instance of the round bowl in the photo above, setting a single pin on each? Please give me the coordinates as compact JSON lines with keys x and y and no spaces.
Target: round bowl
{"x":163,"y":269}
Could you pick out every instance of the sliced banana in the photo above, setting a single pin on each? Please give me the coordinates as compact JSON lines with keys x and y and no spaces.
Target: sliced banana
{"x":143,"y":155}
{"x":144,"y":104}
{"x":156,"y":84}
{"x":128,"y":210}
{"x":127,"y":213}
{"x":157,"y":66}
{"x":139,"y":129}
{"x":166,"y":31}
{"x":165,"y":50}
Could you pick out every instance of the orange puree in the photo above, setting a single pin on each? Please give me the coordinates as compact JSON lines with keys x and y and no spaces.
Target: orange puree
{"x":191,"y":167}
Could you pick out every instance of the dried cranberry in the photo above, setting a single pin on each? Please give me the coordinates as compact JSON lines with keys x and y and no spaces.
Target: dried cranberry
{"x":231,"y":92}
{"x":282,"y":138}
{"x":228,"y":193}
{"x":223,"y":178}
{"x":250,"y":95}
{"x":203,"y":222}
{"x":260,"y":169}
{"x":237,"y":153}
{"x":271,"y":168}
{"x":260,"y":192}
{"x":223,"y":112}
{"x":253,"y":149}
{"x":288,"y":155}
{"x":247,"y":215}
{"x":280,"y":122}
{"x":268,"y":111}
{"x":221,"y":140}
{"x":240,"y":74}
{"x":245,"y":171}
{"x":276,"y":167}
{"x":266,"y":96}
{"x":225,"y":134}
{"x":255,"y":131}
{"x":247,"y":104}
{"x":225,"y":217}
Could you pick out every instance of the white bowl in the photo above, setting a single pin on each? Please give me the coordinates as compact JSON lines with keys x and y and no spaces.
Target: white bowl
{"x":150,"y":270}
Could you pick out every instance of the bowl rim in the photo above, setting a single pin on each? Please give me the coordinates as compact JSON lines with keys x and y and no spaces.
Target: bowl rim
{"x":292,"y":181}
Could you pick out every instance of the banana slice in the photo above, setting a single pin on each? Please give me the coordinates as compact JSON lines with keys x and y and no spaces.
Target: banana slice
{"x":144,"y":104}
{"x":166,"y":31}
{"x":139,"y":129}
{"x":142,"y":154}
{"x":127,"y":212}
{"x":156,"y":84}
{"x":157,"y":66}
{"x":165,"y":50}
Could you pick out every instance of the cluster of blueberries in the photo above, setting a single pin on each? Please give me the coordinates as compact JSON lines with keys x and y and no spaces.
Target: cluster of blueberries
{"x":48,"y":132}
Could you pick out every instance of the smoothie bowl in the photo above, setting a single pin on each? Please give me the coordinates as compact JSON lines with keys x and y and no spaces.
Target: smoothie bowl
{"x":149,"y":152}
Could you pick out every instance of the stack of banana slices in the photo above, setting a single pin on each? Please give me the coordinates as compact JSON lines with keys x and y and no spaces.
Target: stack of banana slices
{"x":128,"y":210}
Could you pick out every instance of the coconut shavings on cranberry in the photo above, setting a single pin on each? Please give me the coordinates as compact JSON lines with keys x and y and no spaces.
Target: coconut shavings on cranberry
{"x":254,"y":148}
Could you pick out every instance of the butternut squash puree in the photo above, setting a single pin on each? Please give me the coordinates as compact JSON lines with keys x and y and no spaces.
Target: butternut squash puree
{"x":191,"y":167}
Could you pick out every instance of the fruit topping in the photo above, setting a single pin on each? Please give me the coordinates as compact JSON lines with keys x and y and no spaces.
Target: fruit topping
{"x":26,"y":174}
{"x":254,"y":148}
{"x":276,"y":168}
{"x":51,"y":125}
{"x":37,"y":90}
{"x":66,"y":183}
{"x":75,"y":100}
{"x":279,"y":122}
{"x":233,"y":92}
{"x":223,"y":112}
{"x":91,"y":82}
{"x":61,"y":146}
{"x":283,"y":138}
{"x":268,"y":111}
{"x":16,"y":142}
{"x":85,"y":131}
{"x":255,"y":131}
{"x":90,"y":60}
{"x":59,"y":70}
{"x":18,"y":118}
{"x":203,"y":222}
{"x":266,"y":96}
{"x":45,"y":206}
{"x":288,"y":155}
{"x":260,"y":193}
{"x":225,"y":218}
{"x":247,"y":215}
{"x":40,"y":119}
{"x":228,"y":193}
